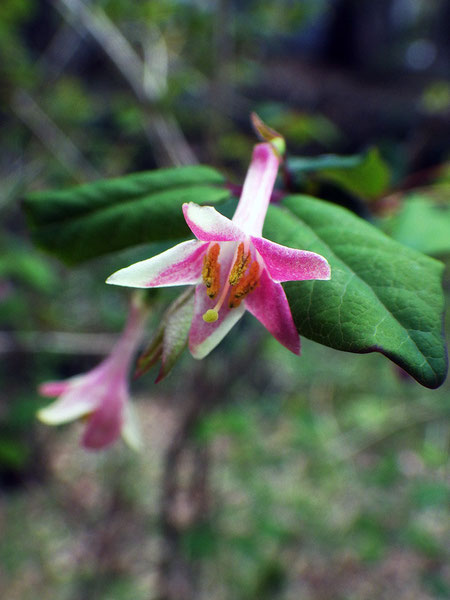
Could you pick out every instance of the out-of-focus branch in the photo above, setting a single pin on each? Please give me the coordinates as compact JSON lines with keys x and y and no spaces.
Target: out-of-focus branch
{"x":346,"y":446}
{"x":51,"y":64}
{"x":220,"y":92}
{"x":113,"y":43}
{"x":59,"y":52}
{"x":56,"y":342}
{"x":52,"y":137}
{"x":186,"y":494}
{"x":156,"y":59}
{"x":183,"y":504}
{"x":16,"y":178}
{"x":167,"y":138}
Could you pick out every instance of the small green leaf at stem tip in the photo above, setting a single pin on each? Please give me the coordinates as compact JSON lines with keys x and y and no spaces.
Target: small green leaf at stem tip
{"x":268,"y":134}
{"x":279,"y":145}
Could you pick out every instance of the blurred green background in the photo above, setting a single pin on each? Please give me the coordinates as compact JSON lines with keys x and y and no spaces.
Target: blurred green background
{"x":313,"y":478}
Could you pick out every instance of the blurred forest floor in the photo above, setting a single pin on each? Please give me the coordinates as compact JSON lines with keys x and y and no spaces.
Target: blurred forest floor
{"x":331,"y":481}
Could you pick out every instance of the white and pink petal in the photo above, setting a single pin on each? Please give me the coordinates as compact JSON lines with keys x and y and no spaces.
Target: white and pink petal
{"x":204,"y":337}
{"x":290,"y":264}
{"x":52,"y":389}
{"x":104,"y":425}
{"x":256,"y":193}
{"x":131,"y":432}
{"x":268,"y":303}
{"x":208,"y":225}
{"x":180,"y":265}
{"x":75,"y":401}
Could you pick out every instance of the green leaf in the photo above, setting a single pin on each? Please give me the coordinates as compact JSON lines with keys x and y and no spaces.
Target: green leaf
{"x":300,"y":164}
{"x":27,"y":266}
{"x":170,"y":338}
{"x":382,"y":296}
{"x":423,"y":225}
{"x":365,"y":175}
{"x":108,"y":215}
{"x":431,"y":493}
{"x":177,"y":323}
{"x":14,"y":453}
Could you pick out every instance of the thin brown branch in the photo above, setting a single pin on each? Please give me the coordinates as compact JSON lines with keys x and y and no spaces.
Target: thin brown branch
{"x":59,"y":53}
{"x":170,"y":145}
{"x":56,"y":342}
{"x":19,"y":176}
{"x":185,"y":497}
{"x":52,"y":137}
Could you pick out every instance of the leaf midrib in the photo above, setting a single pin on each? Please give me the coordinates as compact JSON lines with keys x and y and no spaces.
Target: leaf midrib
{"x":91,"y":211}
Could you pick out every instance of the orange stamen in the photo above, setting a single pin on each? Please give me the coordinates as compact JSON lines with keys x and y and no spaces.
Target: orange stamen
{"x":211,"y":271}
{"x":239,"y":266}
{"x":243,"y":278}
{"x":246,"y":285}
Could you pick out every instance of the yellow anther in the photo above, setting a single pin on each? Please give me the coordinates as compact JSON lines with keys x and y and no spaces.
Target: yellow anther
{"x":211,"y":271}
{"x":240,"y":265}
{"x":211,"y":316}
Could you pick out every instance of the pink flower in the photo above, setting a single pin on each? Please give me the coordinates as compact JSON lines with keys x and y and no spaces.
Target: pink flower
{"x":101,"y":395}
{"x":233,"y":268}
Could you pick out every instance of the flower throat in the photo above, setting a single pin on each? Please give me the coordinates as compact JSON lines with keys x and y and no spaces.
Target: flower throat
{"x":243,"y":278}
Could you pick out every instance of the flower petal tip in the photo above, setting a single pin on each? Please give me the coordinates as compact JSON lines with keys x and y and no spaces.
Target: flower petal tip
{"x":60,"y":412}
{"x":123,"y":279}
{"x":45,"y":416}
{"x":94,"y":445}
{"x":207,"y":224}
{"x":199,"y":351}
{"x":326,"y":270}
{"x":114,"y":279}
{"x":52,"y":389}
{"x":131,"y":432}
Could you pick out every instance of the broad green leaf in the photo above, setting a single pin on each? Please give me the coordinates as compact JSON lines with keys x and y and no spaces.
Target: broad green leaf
{"x":382,"y":296}
{"x":365,"y":175}
{"x":93,"y":219}
{"x":423,"y":225}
